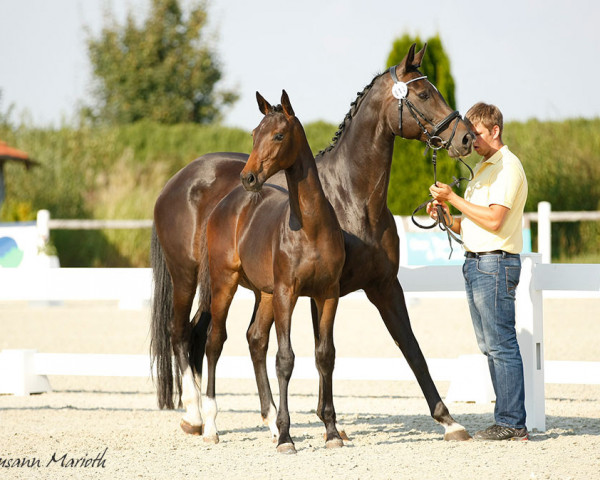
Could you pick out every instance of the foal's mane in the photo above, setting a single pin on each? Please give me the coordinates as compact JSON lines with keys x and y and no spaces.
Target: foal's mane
{"x":354,"y":106}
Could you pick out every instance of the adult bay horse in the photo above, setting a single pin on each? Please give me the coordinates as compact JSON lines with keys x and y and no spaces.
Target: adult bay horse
{"x":281,"y":245}
{"x":355,"y":173}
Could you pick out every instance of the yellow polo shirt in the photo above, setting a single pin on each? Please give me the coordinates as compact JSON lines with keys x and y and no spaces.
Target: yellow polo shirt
{"x":500,"y":180}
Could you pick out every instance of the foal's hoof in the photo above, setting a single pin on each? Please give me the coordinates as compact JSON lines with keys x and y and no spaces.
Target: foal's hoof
{"x":457,"y":436}
{"x":190,"y":429}
{"x":335,"y":443}
{"x":286,"y":448}
{"x":211,"y":439}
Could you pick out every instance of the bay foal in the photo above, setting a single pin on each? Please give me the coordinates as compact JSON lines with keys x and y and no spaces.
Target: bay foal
{"x":281,"y":245}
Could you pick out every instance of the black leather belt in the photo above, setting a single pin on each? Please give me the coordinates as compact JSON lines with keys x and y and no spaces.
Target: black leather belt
{"x":479,"y":254}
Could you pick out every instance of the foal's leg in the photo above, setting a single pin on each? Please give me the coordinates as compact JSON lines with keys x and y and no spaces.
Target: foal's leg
{"x":283,"y":306}
{"x":184,"y":290}
{"x":222,"y":290}
{"x":392,"y":306}
{"x":258,"y":341}
{"x":325,"y":359}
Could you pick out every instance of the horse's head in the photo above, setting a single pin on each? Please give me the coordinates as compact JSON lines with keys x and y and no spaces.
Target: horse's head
{"x":417,"y":110}
{"x":276,"y":143}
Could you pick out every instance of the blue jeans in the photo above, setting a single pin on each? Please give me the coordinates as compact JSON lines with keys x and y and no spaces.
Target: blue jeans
{"x":490,"y":283}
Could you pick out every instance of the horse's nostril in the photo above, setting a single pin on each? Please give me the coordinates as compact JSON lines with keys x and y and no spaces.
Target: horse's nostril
{"x":250,"y":179}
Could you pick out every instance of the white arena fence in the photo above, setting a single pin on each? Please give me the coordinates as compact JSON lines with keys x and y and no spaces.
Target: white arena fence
{"x":25,"y":371}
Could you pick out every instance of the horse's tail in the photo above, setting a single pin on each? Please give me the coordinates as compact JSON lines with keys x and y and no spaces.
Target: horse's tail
{"x":166,"y":378}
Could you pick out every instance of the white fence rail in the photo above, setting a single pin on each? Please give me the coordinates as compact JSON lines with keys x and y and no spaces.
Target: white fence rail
{"x":544,"y":216}
{"x":23,"y":372}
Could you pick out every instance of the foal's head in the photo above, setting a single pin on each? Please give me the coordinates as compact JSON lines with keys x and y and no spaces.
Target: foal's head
{"x":277,"y":142}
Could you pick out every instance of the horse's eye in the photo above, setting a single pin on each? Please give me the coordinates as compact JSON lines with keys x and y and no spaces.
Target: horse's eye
{"x":278,"y":137}
{"x":423,"y":95}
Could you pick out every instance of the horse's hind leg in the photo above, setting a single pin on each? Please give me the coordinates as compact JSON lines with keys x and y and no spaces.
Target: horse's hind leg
{"x":223,"y":288}
{"x":323,"y":319}
{"x":392,"y":306}
{"x":182,"y":338}
{"x":258,"y":342}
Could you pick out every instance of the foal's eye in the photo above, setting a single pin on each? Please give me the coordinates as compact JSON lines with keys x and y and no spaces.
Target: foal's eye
{"x":278,"y":137}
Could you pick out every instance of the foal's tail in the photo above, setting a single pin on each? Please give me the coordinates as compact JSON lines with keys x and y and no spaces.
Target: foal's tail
{"x":161,"y":350}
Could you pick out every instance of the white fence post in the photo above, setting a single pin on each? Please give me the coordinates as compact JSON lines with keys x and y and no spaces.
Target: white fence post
{"x":18,"y":375}
{"x":530,"y":334}
{"x":43,"y":227}
{"x":545,"y":231}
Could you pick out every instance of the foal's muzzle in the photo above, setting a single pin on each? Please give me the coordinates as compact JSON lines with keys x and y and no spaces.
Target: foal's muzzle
{"x":250,"y":182}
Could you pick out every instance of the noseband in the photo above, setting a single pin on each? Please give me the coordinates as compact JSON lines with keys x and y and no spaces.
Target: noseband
{"x":434,"y":141}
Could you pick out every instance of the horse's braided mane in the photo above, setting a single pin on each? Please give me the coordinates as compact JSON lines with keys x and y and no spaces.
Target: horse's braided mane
{"x":354,"y":106}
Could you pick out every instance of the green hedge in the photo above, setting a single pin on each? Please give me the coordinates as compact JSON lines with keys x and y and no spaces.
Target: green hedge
{"x":118,"y":172}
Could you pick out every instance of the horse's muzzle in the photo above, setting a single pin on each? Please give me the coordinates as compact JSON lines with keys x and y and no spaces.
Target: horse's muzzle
{"x":250,"y":182}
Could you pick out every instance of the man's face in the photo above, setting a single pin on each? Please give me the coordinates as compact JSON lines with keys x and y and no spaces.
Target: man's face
{"x":483,"y":140}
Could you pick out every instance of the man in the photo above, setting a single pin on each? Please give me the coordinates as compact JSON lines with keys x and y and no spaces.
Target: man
{"x":491,"y":229}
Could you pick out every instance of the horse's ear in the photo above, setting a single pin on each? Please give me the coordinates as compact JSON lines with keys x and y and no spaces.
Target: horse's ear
{"x":264,"y":106}
{"x":287,"y":106}
{"x":410,"y":57}
{"x":419,"y":57}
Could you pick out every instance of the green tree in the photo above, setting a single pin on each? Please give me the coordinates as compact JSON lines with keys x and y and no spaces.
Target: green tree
{"x":162,"y":70}
{"x":412,"y":173}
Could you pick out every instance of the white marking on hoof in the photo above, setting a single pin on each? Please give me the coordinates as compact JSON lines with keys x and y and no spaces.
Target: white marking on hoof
{"x":210,"y":439}
{"x":191,"y":398}
{"x":456,"y":432}
{"x":210,"y":425}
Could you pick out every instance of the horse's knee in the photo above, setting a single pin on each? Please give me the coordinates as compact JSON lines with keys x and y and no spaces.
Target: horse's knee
{"x":257,"y":343}
{"x":285,"y":363}
{"x":325,"y":358}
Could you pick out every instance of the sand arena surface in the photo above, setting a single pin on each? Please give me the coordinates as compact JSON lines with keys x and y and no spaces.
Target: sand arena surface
{"x":113,"y":425}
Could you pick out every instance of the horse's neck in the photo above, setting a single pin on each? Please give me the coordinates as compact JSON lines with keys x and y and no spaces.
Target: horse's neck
{"x":356,"y":173}
{"x":307,"y":199}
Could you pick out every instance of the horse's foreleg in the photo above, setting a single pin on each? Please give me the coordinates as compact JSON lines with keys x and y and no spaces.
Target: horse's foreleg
{"x":325,"y":360}
{"x":283,"y":305}
{"x":392,"y":306}
{"x":258,"y":342}
{"x":221,"y":297}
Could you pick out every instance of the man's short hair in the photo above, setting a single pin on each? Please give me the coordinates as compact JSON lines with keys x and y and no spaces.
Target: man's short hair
{"x":486,"y":114}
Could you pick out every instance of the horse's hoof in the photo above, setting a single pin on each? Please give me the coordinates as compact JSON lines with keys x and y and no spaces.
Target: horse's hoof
{"x":343,"y":436}
{"x":286,"y":448}
{"x":335,"y":443}
{"x":274,"y":438}
{"x":457,"y":436}
{"x":190,"y":429}
{"x":211,"y":439}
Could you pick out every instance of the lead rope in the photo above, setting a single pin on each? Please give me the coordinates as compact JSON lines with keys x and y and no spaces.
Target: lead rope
{"x":441,"y":217}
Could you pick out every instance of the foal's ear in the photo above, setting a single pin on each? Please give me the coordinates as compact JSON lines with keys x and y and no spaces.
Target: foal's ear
{"x":287,"y":106}
{"x":264,"y":106}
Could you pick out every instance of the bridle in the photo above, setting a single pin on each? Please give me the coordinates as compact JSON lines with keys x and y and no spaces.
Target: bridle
{"x":434,"y":142}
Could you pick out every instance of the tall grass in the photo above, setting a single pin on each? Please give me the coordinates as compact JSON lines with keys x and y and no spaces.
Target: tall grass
{"x":118,"y":172}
